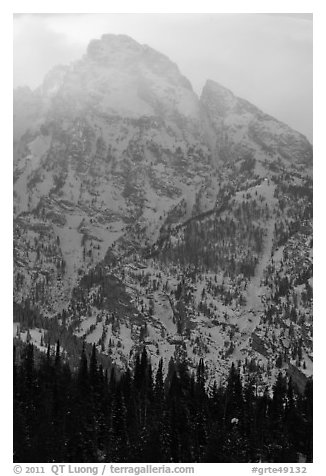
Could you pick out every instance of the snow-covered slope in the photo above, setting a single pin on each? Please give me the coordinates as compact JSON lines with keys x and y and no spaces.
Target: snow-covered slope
{"x":241,"y":127}
{"x":145,"y":215}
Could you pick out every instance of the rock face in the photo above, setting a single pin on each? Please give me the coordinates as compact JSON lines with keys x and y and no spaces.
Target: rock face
{"x":241,"y":126}
{"x":116,"y":162}
{"x":118,"y":136}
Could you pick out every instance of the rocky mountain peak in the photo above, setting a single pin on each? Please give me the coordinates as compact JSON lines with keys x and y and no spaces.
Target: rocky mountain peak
{"x":218,"y":98}
{"x":123,"y":52}
{"x":120,"y":76}
{"x":242,"y":128}
{"x":110,"y":49}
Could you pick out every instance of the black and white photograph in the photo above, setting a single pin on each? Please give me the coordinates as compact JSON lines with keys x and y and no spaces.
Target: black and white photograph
{"x":162,"y":238}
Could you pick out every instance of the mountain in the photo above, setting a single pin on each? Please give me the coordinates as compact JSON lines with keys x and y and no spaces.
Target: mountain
{"x":241,"y":126}
{"x":145,"y":215}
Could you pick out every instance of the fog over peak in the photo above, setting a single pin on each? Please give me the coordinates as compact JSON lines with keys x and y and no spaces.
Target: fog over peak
{"x":264,"y":58}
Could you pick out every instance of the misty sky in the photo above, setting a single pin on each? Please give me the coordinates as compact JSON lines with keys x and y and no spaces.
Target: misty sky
{"x":264,"y":58}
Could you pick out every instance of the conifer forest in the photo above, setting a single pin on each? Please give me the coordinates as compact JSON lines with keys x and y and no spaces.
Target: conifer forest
{"x":88,"y":415}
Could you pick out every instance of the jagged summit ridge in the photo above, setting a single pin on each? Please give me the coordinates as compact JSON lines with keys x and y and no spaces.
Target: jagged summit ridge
{"x":120,"y":76}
